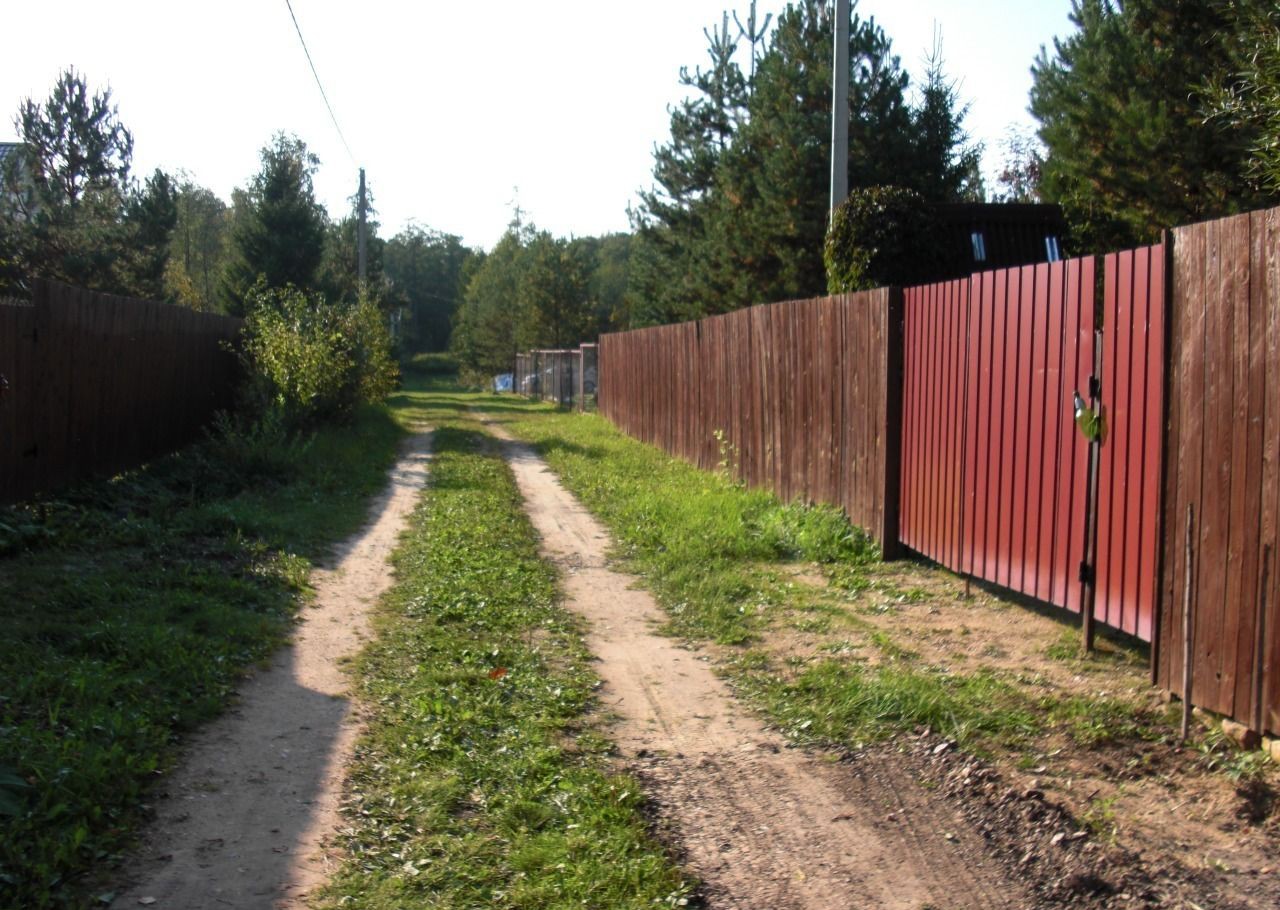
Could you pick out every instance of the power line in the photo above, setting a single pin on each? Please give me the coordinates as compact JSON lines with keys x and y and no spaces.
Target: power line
{"x":312,"y":64}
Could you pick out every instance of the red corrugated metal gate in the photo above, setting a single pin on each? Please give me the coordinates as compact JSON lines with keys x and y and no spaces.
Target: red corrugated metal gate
{"x":995,"y":472}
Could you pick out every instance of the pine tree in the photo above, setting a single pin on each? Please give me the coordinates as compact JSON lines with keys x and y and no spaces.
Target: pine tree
{"x":1121,"y":105}
{"x":62,"y":192}
{"x":753,"y":229}
{"x":151,"y":214}
{"x":278,"y":234}
{"x":672,"y":222}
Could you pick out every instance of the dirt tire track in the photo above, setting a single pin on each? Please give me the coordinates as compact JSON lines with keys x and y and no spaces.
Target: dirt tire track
{"x":761,"y":824}
{"x":242,"y":821}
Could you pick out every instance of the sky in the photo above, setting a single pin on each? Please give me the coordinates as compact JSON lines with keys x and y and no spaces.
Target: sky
{"x":457,"y":110}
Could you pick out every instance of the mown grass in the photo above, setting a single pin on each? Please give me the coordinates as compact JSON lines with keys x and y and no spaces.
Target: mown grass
{"x":708,"y":547}
{"x":130,"y":608}
{"x":478,"y":782}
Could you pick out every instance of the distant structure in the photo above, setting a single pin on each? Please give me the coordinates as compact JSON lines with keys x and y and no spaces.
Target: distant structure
{"x":975,"y":237}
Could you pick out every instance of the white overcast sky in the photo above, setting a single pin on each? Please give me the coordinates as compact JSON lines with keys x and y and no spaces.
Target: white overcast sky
{"x":450,"y":105}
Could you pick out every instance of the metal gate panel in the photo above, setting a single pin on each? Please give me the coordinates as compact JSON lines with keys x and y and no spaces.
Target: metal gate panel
{"x":1131,"y":375}
{"x":1025,"y":475}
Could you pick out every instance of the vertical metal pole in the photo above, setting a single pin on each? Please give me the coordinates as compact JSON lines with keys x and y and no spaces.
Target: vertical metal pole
{"x":1089,"y":570}
{"x":1188,"y":630}
{"x":362,"y":266}
{"x":840,"y":108}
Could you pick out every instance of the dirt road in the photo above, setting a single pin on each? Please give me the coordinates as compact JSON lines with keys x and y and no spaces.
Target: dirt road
{"x":243,"y":819}
{"x":762,"y":825}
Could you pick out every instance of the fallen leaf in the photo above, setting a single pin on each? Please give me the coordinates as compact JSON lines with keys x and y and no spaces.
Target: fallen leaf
{"x":497,"y":672}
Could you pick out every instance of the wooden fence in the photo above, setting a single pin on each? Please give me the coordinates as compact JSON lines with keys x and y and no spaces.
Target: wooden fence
{"x":1223,"y":466}
{"x":799,"y":393}
{"x":964,"y":388}
{"x":95,"y":384}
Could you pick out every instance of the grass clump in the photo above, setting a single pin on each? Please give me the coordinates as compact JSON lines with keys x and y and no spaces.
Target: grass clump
{"x":477,"y":783}
{"x":835,"y":701}
{"x":130,"y":608}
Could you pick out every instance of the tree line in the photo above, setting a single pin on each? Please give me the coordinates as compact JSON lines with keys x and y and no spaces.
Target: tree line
{"x":72,"y":209}
{"x":1149,"y":113}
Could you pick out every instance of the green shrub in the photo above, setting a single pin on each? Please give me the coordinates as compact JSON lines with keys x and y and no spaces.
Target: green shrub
{"x":307,"y":360}
{"x":880,"y":236}
{"x":438,"y":363}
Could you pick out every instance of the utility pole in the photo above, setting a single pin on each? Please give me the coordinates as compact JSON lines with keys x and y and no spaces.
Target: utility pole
{"x":840,"y":109}
{"x":362,"y":266}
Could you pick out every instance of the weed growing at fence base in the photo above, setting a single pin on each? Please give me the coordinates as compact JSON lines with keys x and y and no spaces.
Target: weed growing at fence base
{"x":705,"y":547}
{"x":131,"y":607}
{"x":476,"y":783}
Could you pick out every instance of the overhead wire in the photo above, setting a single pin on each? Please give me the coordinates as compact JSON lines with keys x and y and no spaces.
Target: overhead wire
{"x":319,"y":85}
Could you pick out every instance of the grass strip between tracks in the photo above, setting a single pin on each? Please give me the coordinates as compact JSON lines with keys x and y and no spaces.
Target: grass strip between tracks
{"x":478,"y":782}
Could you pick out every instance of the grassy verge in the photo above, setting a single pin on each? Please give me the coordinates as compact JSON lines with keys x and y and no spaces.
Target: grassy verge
{"x":130,"y":608}
{"x":717,"y":557}
{"x":478,"y":782}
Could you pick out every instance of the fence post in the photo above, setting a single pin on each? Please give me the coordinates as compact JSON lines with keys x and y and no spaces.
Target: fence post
{"x":891,"y":546}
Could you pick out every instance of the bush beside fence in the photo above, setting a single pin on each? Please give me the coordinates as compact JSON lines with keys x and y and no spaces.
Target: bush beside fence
{"x":96,"y":384}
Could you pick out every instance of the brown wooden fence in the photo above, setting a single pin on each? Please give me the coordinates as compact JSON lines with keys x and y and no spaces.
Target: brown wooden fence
{"x":1223,"y":464}
{"x":799,"y":393}
{"x":1179,"y":344}
{"x":97,"y":384}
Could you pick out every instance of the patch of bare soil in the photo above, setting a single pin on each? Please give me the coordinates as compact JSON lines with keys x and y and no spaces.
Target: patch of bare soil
{"x":763,"y":826}
{"x":1164,"y":828}
{"x":242,"y":821}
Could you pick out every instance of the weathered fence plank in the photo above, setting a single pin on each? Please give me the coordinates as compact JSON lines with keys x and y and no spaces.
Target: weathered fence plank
{"x":99,"y":384}
{"x":802,"y":393}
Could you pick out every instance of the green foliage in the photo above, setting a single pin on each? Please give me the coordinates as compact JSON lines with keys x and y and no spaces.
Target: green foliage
{"x":480,"y":781}
{"x":1122,"y":103}
{"x":532,"y":291}
{"x":151,"y":215}
{"x":198,"y":251}
{"x":432,"y":364}
{"x":339,"y":273}
{"x":308,"y":360}
{"x":428,"y":268}
{"x":131,"y":608}
{"x":880,"y":236}
{"x":1248,"y":102}
{"x":739,"y":208}
{"x":63,"y":192}
{"x":278,"y":234}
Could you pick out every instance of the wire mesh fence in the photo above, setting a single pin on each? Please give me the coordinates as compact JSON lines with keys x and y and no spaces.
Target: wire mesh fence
{"x":567,"y":377}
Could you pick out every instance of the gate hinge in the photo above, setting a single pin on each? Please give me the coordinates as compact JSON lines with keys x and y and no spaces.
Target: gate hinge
{"x":1086,"y":574}
{"x":1095,"y":387}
